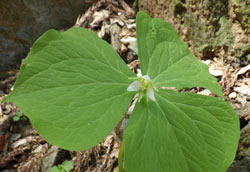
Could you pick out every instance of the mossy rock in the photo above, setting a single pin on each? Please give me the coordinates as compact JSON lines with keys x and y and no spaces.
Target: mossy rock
{"x":206,"y":25}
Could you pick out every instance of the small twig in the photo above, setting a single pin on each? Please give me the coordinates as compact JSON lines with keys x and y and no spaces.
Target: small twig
{"x":1,"y":111}
{"x":115,"y":31}
{"x":82,"y":21}
{"x":129,"y":11}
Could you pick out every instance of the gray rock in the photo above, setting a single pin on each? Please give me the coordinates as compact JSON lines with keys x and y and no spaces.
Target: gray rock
{"x":23,"y":21}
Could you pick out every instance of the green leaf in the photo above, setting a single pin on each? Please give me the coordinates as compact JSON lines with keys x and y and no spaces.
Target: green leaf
{"x":179,"y":68}
{"x":181,"y":132}
{"x":150,"y":32}
{"x":55,"y":169}
{"x":67,"y":165}
{"x":72,"y":86}
{"x":120,"y":158}
{"x":167,"y":60}
{"x":16,"y":118}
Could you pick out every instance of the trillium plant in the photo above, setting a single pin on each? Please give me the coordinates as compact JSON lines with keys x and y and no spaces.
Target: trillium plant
{"x":75,"y":89}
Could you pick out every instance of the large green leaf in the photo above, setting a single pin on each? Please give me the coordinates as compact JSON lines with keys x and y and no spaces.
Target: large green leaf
{"x":150,"y":32}
{"x":72,"y":86}
{"x":181,"y":132}
{"x":167,"y":60}
{"x":179,"y":68}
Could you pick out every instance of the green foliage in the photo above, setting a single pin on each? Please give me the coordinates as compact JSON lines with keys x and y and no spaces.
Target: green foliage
{"x":224,"y":35}
{"x":66,"y":166}
{"x":72,"y":83}
{"x":151,"y":32}
{"x":75,"y":88}
{"x":206,"y":32}
{"x":181,"y":128}
{"x":244,"y":12}
{"x":17,"y":117}
{"x":241,"y":50}
{"x":236,"y":1}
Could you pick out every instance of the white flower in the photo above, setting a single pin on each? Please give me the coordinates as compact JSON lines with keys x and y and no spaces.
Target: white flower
{"x":143,"y":83}
{"x":150,"y":93}
{"x":134,"y":86}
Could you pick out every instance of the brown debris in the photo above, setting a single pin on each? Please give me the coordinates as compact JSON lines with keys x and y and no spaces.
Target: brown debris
{"x":101,"y":158}
{"x":111,"y":20}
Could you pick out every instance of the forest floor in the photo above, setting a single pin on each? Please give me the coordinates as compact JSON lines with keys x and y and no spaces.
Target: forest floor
{"x":22,"y":149}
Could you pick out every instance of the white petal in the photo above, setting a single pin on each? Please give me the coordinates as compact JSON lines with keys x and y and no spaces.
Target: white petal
{"x":139,"y":73}
{"x":134,"y":86}
{"x":150,"y":93}
{"x":146,"y":77}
